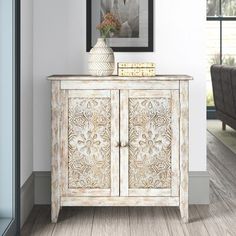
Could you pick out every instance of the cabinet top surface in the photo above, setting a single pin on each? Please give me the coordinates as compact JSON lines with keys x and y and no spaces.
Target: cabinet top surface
{"x":117,"y":78}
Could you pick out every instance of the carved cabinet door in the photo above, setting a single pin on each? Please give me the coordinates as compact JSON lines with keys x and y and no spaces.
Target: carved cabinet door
{"x":149,"y":161}
{"x":90,"y":143}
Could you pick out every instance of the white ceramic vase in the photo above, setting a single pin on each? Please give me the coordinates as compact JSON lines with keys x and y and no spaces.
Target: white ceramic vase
{"x":101,"y":59}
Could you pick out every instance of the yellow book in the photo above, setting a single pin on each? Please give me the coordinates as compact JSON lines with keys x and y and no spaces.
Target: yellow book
{"x":136,"y":65}
{"x":139,"y":72}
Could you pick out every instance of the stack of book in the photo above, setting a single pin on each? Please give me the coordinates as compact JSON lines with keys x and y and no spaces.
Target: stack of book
{"x":136,"y":69}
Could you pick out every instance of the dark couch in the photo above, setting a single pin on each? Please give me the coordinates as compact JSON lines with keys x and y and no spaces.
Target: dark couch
{"x":224,"y":92}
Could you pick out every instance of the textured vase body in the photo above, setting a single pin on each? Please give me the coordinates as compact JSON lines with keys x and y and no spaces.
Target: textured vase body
{"x":101,"y":59}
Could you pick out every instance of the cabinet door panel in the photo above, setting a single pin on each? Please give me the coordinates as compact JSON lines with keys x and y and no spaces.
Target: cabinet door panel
{"x":151,"y":159}
{"x":90,"y":162}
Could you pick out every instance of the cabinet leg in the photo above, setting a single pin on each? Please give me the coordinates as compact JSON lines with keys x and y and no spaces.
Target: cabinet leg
{"x":54,"y":213}
{"x":184,"y":211}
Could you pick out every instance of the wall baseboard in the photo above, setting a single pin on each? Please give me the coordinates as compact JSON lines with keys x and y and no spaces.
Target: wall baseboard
{"x":37,"y":190}
{"x":198,"y":187}
{"x":27,"y":198}
{"x":42,"y":187}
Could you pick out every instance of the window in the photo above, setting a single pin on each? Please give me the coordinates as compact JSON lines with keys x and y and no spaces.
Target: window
{"x":221,"y":38}
{"x":9,"y":117}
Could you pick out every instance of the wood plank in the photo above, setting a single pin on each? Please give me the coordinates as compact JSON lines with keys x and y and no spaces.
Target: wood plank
{"x":219,"y":152}
{"x":42,"y":225}
{"x":175,"y":164}
{"x":184,"y":149}
{"x":31,"y":220}
{"x":224,"y":212}
{"x":120,"y":201}
{"x":122,"y":85}
{"x":124,"y":138}
{"x":115,"y":140}
{"x":172,"y":217}
{"x":212,"y":227}
{"x":196,"y":226}
{"x":219,"y":216}
{"x":147,"y":221}
{"x":221,"y":165}
{"x":55,"y":152}
{"x":215,"y":219}
{"x":74,"y":221}
{"x":222,"y":181}
{"x":176,"y":227}
{"x":112,"y":221}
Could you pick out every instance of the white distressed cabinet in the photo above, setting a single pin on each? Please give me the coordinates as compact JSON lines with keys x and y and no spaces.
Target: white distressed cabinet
{"x":119,"y":142}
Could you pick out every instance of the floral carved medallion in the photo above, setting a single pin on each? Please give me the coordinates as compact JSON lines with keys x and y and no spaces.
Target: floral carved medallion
{"x":89,"y":163}
{"x":150,"y":143}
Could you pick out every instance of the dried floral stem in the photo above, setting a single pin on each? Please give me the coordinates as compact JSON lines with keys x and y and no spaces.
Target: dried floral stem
{"x":110,"y":24}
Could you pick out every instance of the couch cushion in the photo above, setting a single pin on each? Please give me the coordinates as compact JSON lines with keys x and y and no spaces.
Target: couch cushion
{"x":226,"y":79}
{"x":233,"y":81}
{"x":217,"y":87}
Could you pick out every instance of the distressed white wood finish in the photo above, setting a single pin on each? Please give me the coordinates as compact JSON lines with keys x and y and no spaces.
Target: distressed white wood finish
{"x":149,"y":192}
{"x":175,"y":143}
{"x":120,"y":201}
{"x":115,"y":139}
{"x":155,"y":98}
{"x":55,"y":168}
{"x":149,"y":93}
{"x":69,"y":192}
{"x":64,"y":142}
{"x":216,"y":219}
{"x":89,"y":93}
{"x":119,"y":91}
{"x":117,"y":78}
{"x":184,"y":150}
{"x":68,"y":85}
{"x":124,"y":164}
{"x":114,"y":136}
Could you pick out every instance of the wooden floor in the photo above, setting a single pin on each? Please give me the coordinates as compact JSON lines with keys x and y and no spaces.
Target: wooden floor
{"x":217,"y":219}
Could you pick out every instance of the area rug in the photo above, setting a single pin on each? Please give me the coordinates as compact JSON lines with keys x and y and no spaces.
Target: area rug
{"x":228,"y":137}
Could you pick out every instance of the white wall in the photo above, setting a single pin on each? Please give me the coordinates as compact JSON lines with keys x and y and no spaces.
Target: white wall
{"x":26,"y":89}
{"x":60,"y":45}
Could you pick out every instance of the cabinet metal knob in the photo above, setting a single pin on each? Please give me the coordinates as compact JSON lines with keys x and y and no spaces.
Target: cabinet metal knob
{"x":124,"y":144}
{"x":117,"y":144}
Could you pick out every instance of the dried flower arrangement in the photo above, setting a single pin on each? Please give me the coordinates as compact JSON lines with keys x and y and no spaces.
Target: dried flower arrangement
{"x":110,"y":24}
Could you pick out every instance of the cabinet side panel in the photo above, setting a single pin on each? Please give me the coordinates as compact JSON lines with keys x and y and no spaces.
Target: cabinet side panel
{"x":64,"y":141}
{"x":175,"y":107}
{"x":184,"y":149}
{"x":55,"y":166}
